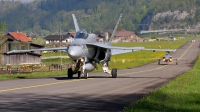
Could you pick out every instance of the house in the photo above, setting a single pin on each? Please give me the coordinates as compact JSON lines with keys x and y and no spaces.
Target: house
{"x":19,"y":41}
{"x":122,"y":36}
{"x":60,"y":38}
{"x":127,"y":36}
{"x":100,"y":37}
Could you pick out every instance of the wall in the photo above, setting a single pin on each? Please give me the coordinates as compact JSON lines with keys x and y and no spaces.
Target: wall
{"x":18,"y":59}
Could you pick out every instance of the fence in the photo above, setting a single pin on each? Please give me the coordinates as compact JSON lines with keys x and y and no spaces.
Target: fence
{"x":30,"y":69}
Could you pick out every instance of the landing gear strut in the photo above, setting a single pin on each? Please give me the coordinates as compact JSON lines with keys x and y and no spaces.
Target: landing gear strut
{"x":79,"y":74}
{"x":76,"y":66}
{"x":113,"y":72}
{"x":85,"y":74}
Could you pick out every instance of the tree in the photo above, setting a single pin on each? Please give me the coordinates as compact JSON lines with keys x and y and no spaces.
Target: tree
{"x":39,"y":40}
{"x":2,"y":26}
{"x":2,"y":39}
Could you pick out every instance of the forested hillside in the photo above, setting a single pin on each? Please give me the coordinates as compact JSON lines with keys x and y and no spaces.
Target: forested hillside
{"x":48,"y":16}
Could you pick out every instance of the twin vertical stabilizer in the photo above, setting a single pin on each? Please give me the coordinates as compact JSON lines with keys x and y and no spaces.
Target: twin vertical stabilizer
{"x":75,"y":22}
{"x":114,"y":32}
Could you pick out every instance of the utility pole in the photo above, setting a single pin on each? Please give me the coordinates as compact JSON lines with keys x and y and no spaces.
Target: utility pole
{"x":60,"y":46}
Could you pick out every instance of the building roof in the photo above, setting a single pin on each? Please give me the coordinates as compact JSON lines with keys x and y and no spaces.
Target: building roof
{"x":57,"y":37}
{"x":19,"y":36}
{"x":37,"y":45}
{"x":72,"y":33}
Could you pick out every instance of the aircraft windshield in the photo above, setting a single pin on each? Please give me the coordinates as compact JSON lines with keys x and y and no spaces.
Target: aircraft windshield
{"x":81,"y":34}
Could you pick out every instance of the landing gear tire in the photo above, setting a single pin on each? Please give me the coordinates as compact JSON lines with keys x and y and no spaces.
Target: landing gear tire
{"x":70,"y":73}
{"x":85,"y":75}
{"x":176,"y":62}
{"x":167,"y":63}
{"x":79,"y":74}
{"x":158,"y":62}
{"x":114,"y":73}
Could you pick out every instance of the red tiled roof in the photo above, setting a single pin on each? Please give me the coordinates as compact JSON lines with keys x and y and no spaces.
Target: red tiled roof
{"x":19,"y":36}
{"x":72,"y":33}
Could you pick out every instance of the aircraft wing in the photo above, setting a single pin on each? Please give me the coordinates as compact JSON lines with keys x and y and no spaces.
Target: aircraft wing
{"x":44,"y":49}
{"x":120,"y":50}
{"x":116,"y":50}
{"x":166,"y":50}
{"x":104,"y":45}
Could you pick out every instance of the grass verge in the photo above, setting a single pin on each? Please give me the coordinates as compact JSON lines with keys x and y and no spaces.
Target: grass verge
{"x":32,"y":75}
{"x":179,"y":95}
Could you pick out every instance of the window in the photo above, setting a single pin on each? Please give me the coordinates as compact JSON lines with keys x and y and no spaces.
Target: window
{"x":19,"y":46}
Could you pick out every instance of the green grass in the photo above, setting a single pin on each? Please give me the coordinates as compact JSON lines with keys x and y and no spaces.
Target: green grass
{"x":179,"y":95}
{"x":59,"y":61}
{"x":155,"y":44}
{"x":59,"y":53}
{"x":32,"y":75}
{"x":166,"y":35}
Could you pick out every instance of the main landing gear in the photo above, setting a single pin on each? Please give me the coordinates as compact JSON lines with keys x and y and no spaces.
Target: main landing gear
{"x":70,"y":73}
{"x":159,"y":62}
{"x":76,"y":66}
{"x":167,"y":62}
{"x":85,"y":75}
{"x":113,"y":72}
{"x":176,"y":61}
{"x":81,"y":64}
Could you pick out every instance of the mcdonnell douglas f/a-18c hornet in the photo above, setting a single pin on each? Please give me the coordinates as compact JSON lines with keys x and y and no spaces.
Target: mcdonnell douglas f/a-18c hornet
{"x":86,"y":52}
{"x":167,"y":58}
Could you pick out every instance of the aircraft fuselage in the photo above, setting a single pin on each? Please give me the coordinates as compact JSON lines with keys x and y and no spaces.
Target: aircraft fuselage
{"x":78,"y":48}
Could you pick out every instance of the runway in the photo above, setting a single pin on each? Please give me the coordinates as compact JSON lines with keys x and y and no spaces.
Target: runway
{"x":99,"y":92}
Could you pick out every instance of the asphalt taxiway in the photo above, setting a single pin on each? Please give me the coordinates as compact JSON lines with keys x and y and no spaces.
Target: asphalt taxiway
{"x":99,"y":92}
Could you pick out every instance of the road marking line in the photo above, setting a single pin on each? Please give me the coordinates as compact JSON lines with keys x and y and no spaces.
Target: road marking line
{"x":186,"y":50}
{"x":41,"y":85}
{"x":56,"y":83}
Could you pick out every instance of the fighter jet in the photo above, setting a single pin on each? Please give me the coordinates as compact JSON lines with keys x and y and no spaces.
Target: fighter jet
{"x":167,"y":58}
{"x":86,"y":52}
{"x":171,"y":37}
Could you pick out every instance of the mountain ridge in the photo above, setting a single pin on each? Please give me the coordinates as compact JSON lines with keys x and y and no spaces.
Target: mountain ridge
{"x":48,"y":16}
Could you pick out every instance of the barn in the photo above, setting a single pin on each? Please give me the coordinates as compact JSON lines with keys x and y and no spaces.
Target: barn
{"x":121,"y":36}
{"x":19,"y":41}
{"x":127,"y":36}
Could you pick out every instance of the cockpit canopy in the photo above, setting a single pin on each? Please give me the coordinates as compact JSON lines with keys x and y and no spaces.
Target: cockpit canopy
{"x":81,"y":34}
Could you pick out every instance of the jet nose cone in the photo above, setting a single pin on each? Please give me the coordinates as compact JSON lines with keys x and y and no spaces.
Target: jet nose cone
{"x":75,"y":52}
